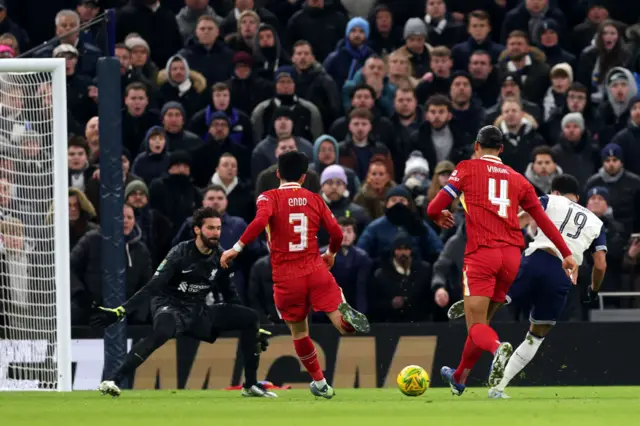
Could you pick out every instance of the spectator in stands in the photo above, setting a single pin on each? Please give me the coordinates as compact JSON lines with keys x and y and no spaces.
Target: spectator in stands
{"x":241,"y":130}
{"x":614,"y":111}
{"x":352,"y":268}
{"x":484,"y":78}
{"x":247,"y":89}
{"x":520,"y":132}
{"x":325,"y":154}
{"x":10,"y":41}
{"x":350,"y":53}
{"x":631,"y":266}
{"x":583,"y":34}
{"x":406,"y":119}
{"x":141,"y":58}
{"x":154,"y":226}
{"x":7,"y":25}
{"x":576,"y":151}
{"x":307,"y":121}
{"x":561,"y":76}
{"x":399,"y":70}
{"x":206,"y":53}
{"x":245,"y":38}
{"x":314,"y":84}
{"x":373,"y":75}
{"x":268,"y":178}
{"x":173,"y":194}
{"x":79,"y":104}
{"x":439,"y":137}
{"x":92,"y":135}
{"x":623,"y":187}
{"x":529,"y":62}
{"x":129,"y":74}
{"x":364,"y":96}
{"x":511,"y":87}
{"x":416,"y":178}
{"x":263,"y":155}
{"x":80,"y":171}
{"x":173,"y":120}
{"x":20,"y":286}
{"x":372,"y":194}
{"x":542,"y":169}
{"x":322,"y":25}
{"x":442,"y":31}
{"x":447,"y":270}
{"x":629,"y":139}
{"x":218,"y":142}
{"x":385,"y":35}
{"x":416,"y":47}
{"x":138,"y":117}
{"x":357,"y":149}
{"x":260,"y":291}
{"x":402,"y":285}
{"x":86,"y":271}
{"x":189,"y":15}
{"x":81,"y":214}
{"x":465,"y":108}
{"x":479,"y":29}
{"x":239,"y":193}
{"x":438,"y":80}
{"x":441,"y":175}
{"x":93,"y":186}
{"x":154,"y":23}
{"x":178,"y":83}
{"x":234,"y":18}
{"x":597,"y":60}
{"x":33,"y":161}
{"x":268,"y":52}
{"x":577,"y":100}
{"x":334,"y":192}
{"x":529,"y":17}
{"x":549,"y":43}
{"x":153,"y":161}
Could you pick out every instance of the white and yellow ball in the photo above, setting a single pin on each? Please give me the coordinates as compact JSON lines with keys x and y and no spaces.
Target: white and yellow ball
{"x":413,"y":380}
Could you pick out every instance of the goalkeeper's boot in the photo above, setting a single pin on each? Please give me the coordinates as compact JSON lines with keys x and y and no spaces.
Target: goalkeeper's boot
{"x":108,"y":387}
{"x":259,"y":391}
{"x":356,"y":319}
{"x":500,"y":359}
{"x":326,"y":392}
{"x":495,"y":393}
{"x":446,"y":373}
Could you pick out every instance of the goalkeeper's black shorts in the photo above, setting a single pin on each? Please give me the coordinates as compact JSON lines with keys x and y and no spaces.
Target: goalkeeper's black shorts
{"x":203,"y":322}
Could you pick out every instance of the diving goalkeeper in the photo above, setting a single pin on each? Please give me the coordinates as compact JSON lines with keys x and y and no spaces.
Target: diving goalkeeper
{"x":177,"y":292}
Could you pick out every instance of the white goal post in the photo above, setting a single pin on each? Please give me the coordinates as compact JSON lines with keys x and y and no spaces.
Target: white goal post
{"x":35,"y":312}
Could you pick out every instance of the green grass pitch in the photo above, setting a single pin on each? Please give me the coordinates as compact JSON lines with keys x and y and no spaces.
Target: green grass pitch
{"x":566,"y":406}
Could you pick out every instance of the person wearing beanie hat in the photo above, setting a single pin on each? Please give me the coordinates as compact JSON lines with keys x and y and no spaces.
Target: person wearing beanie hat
{"x":173,"y":118}
{"x":133,"y":187}
{"x":415,"y":27}
{"x":442,"y":31}
{"x":268,"y":52}
{"x":561,"y":76}
{"x":333,"y":172}
{"x":629,"y":138}
{"x":600,"y":191}
{"x":548,"y":41}
{"x":511,"y":87}
{"x":284,"y":71}
{"x":573,"y":118}
{"x":416,"y":47}
{"x":416,"y":165}
{"x":351,"y":53}
{"x":140,"y":57}
{"x":153,"y":162}
{"x":576,"y":152}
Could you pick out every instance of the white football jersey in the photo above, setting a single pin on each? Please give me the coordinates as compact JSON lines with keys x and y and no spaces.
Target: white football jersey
{"x":580,"y":228}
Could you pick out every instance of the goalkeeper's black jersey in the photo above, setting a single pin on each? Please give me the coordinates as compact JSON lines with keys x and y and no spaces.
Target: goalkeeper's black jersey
{"x":187,"y":276}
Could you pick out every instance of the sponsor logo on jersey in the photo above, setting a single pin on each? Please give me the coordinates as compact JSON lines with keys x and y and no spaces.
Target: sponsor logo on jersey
{"x":183,"y":287}
{"x":262,"y":197}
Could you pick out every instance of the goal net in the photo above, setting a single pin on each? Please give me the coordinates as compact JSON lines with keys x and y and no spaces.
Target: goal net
{"x":34,"y":231}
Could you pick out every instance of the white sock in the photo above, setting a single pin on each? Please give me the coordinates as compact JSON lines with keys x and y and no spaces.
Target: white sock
{"x":520,"y":358}
{"x":320,"y":383}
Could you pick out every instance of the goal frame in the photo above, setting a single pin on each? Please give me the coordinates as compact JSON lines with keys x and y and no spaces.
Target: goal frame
{"x":56,"y":66}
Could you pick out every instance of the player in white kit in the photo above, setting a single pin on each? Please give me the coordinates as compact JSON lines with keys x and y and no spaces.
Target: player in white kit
{"x":541,"y":281}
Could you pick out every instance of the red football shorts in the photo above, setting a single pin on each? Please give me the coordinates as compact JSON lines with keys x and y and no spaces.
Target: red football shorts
{"x":294,"y":298}
{"x":490,"y":272}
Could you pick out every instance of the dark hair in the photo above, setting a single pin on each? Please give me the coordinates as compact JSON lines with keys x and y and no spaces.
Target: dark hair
{"x":543,"y":150}
{"x":438,"y":100}
{"x":363,"y":86}
{"x":348,"y":221}
{"x":566,"y":184}
{"x":481,"y":15}
{"x":203,"y":213}
{"x":490,"y":137}
{"x":481,"y":52}
{"x":220,"y":87}
{"x":361,"y":113}
{"x":518,"y":34}
{"x":576,"y":86}
{"x":214,"y":188}
{"x":227,"y":155}
{"x":122,"y":46}
{"x":207,"y":18}
{"x":302,"y":43}
{"x":78,"y":142}
{"x":135,"y":86}
{"x":292,"y":165}
{"x":609,"y":59}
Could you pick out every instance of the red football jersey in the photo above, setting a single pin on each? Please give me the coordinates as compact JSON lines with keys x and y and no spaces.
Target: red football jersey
{"x":293,"y":216}
{"x":491,"y":194}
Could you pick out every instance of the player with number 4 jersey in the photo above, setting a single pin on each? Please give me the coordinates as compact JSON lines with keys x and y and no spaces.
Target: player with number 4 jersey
{"x":292,"y":217}
{"x":491,"y":194}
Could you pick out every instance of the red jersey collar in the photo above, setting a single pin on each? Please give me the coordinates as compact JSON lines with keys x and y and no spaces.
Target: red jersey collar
{"x":492,"y":158}
{"x":290,"y":185}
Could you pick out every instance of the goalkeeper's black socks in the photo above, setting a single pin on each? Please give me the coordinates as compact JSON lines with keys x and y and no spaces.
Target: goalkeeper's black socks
{"x":248,"y":349}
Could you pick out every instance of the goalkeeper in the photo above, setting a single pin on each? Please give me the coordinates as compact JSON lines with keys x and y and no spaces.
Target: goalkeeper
{"x":178,"y":291}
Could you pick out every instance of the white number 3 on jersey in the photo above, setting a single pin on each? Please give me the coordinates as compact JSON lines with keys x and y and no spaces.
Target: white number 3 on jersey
{"x":502,"y":199}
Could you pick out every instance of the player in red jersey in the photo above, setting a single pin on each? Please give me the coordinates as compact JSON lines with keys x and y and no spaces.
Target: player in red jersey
{"x":292,"y":217}
{"x":491,"y":194}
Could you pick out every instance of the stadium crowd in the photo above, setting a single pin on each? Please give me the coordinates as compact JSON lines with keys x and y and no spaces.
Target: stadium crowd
{"x":384,"y":97}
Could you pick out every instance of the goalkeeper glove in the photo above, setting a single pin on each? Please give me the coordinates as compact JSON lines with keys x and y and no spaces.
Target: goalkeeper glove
{"x":103,"y":317}
{"x":263,"y":340}
{"x":591,"y":297}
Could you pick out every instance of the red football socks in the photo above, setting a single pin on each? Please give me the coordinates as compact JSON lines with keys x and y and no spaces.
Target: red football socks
{"x":309,"y":357}
{"x":470,"y":356}
{"x":346,"y":326}
{"x":484,"y":337}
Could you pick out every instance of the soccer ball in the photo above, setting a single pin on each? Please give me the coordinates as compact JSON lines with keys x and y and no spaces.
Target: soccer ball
{"x":413,"y":380}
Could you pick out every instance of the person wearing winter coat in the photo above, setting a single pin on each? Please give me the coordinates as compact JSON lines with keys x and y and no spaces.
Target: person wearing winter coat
{"x":416,"y":47}
{"x":555,"y":98}
{"x":179,"y":84}
{"x":386,"y":35}
{"x":629,"y":139}
{"x":260,"y":291}
{"x":189,"y":15}
{"x":576,"y":151}
{"x":447,"y":270}
{"x":326,"y":152}
{"x":542,"y":169}
{"x":529,"y":17}
{"x":141,"y":58}
{"x":614,"y":112}
{"x":174,"y":116}
{"x":442,"y":30}
{"x":372,"y":194}
{"x":247,"y":88}
{"x":154,"y":160}
{"x":350,"y":53}
{"x":372,"y":74}
{"x":577,"y":100}
{"x":479,"y":29}
{"x":81,"y":214}
{"x":86,"y":270}
{"x":511,"y":87}
{"x":550,"y":45}
{"x":268,"y":53}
